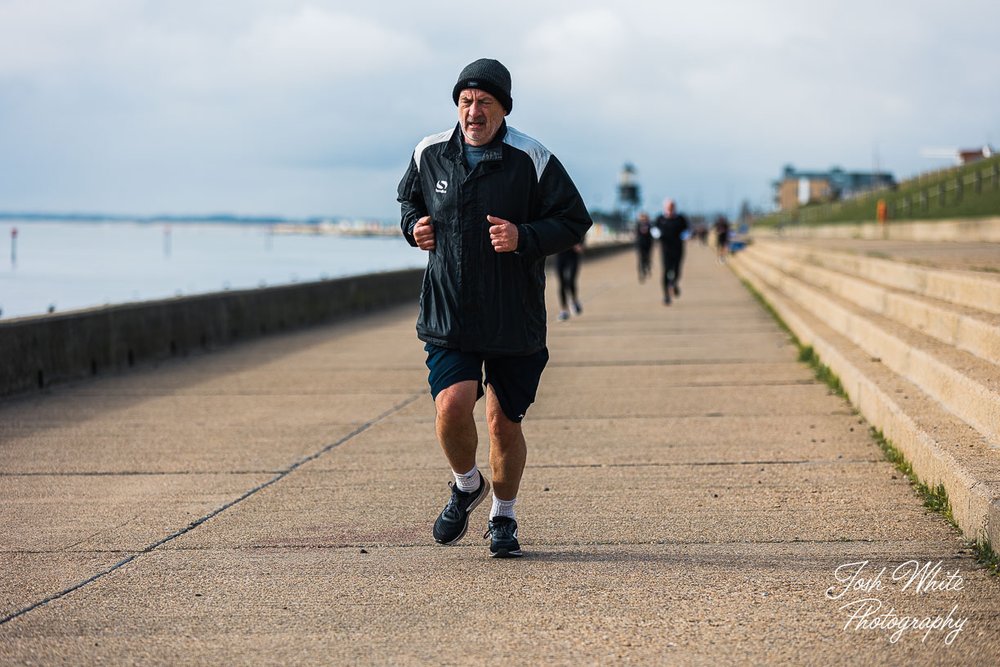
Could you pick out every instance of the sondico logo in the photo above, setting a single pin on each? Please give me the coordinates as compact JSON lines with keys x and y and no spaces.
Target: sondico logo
{"x":441,"y":188}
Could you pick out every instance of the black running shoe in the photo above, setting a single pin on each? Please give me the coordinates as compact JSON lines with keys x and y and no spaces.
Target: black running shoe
{"x":453,"y":521}
{"x":502,"y":532}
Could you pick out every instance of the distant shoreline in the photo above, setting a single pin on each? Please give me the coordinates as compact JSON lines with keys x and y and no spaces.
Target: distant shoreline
{"x":218,"y":218}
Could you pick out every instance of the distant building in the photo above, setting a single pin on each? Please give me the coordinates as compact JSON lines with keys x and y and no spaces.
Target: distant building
{"x":796,"y":188}
{"x":967,"y":155}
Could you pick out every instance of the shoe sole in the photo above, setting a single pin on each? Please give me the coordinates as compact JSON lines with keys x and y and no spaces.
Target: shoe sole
{"x":503,"y":553}
{"x":484,"y":489}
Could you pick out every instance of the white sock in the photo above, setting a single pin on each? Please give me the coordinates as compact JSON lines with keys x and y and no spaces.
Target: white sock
{"x":470,"y":481}
{"x":503,"y":508}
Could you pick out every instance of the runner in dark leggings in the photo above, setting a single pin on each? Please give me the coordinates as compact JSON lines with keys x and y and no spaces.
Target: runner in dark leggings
{"x":672,"y":226}
{"x":644,"y":244}
{"x":568,"y":267}
{"x":721,"y":238}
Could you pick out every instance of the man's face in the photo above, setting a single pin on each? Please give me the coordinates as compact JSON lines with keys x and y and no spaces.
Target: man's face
{"x":480,"y":115}
{"x":669,"y":207}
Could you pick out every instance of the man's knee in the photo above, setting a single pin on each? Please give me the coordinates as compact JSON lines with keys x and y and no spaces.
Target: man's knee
{"x":502,"y":428}
{"x":457,"y":401}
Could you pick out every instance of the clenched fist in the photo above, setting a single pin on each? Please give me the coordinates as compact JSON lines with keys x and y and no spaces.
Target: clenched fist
{"x":503,"y":234}
{"x":423,"y":233}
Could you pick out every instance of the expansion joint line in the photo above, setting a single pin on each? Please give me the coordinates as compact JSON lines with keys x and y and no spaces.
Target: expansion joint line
{"x":194,"y":524}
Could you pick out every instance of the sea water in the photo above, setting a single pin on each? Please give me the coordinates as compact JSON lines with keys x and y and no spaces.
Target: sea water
{"x":70,"y":265}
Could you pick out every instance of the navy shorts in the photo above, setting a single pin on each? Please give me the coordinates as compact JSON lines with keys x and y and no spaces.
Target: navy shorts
{"x":514,"y":379}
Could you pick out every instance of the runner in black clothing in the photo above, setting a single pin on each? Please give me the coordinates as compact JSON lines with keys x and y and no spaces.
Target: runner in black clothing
{"x":568,"y":266}
{"x":644,"y":244}
{"x":672,"y":226}
{"x":721,"y":238}
{"x":487,"y":203}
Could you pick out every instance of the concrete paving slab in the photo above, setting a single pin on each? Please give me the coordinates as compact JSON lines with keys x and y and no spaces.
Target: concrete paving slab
{"x":113,"y":447}
{"x":567,"y":605}
{"x":330,"y":381}
{"x":658,"y":322}
{"x":31,"y":576}
{"x":181,"y":433}
{"x":610,"y":375}
{"x":207,"y":409}
{"x":654,"y":349}
{"x":577,"y":401}
{"x":114,"y":513}
{"x":411,"y":444}
{"x":580,"y":505}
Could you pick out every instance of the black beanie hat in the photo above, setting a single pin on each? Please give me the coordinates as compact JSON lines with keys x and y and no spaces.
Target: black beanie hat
{"x":489,"y":75}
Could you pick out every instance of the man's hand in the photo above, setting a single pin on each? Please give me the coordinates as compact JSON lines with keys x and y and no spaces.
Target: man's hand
{"x":503,"y":234}
{"x":423,"y":233}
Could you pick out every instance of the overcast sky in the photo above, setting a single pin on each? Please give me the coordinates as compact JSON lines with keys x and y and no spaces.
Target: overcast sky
{"x":302,"y":108}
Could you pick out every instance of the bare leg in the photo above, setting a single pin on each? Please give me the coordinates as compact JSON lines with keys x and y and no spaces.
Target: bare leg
{"x":456,"y":426}
{"x":508,"y":450}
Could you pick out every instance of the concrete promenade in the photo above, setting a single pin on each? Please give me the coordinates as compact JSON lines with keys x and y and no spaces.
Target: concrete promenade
{"x":691,"y":496}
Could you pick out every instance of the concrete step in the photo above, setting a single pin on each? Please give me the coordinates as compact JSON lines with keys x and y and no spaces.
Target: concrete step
{"x":973,"y":289}
{"x":942,"y":448}
{"x":968,"y":329}
{"x":964,"y":384}
{"x":952,"y":256}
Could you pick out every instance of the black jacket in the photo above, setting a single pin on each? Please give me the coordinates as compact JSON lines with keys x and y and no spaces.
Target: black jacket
{"x":474,"y":298}
{"x":672,"y":233}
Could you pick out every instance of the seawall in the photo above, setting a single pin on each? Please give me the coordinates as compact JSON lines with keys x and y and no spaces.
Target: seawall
{"x":48,"y":349}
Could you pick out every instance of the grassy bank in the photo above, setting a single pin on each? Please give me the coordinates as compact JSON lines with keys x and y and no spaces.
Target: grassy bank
{"x":968,"y":191}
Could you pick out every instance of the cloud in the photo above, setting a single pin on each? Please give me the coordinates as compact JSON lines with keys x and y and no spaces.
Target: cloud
{"x":40,"y":38}
{"x":314,"y":44}
{"x":123,"y":91}
{"x":186,"y":101}
{"x":122,"y":47}
{"x":303,"y":50}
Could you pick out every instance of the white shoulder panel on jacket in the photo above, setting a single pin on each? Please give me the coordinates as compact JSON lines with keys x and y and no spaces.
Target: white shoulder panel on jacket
{"x":539,"y":154}
{"x":438,"y":138}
